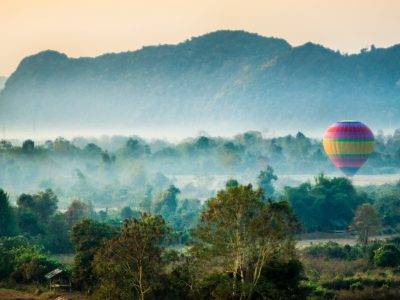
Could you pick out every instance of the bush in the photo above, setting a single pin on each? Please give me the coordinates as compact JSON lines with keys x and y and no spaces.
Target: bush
{"x":333,"y":250}
{"x":387,"y":256}
{"x":281,"y":280}
{"x":23,"y":262}
{"x":34,"y":270}
{"x":341,"y":283}
{"x":217,"y":286}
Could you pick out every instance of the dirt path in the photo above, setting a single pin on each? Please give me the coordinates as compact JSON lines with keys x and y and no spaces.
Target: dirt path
{"x":6,"y":294}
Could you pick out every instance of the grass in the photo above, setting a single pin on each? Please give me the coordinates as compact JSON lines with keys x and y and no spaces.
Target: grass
{"x":369,"y":294}
{"x":333,"y":278}
{"x":65,"y":259}
{"x":11,"y":294}
{"x":342,"y":238}
{"x":318,"y":269}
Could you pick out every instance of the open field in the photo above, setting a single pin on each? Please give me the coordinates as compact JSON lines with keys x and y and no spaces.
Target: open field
{"x":342,"y":238}
{"x":358,"y":180}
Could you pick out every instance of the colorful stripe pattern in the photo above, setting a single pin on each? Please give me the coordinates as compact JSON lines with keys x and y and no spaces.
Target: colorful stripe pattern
{"x":348,"y":144}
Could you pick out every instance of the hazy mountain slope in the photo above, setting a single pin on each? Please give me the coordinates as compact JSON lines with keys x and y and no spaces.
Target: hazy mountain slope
{"x":2,"y":81}
{"x":232,"y":78}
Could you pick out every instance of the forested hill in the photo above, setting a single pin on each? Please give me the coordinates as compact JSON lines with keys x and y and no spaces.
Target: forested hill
{"x":226,"y":78}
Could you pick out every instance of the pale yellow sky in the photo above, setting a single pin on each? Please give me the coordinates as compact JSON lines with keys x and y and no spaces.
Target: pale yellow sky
{"x":93,"y":27}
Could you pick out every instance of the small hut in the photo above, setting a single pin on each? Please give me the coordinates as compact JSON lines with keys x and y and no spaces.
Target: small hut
{"x":57,"y":280}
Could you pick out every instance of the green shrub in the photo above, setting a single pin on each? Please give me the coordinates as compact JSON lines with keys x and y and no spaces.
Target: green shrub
{"x":387,"y":256}
{"x":340,"y":283}
{"x":22,"y":261}
{"x":356,"y":286}
{"x":34,"y":269}
{"x":333,"y":250}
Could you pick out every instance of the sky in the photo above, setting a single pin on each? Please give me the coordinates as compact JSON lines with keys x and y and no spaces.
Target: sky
{"x":92,"y":27}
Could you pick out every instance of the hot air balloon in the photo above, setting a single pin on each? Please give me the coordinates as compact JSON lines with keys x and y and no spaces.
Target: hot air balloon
{"x":348,"y":144}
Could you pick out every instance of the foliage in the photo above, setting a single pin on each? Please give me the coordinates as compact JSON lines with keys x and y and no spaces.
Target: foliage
{"x":127,"y":213}
{"x":167,"y":204}
{"x":87,"y":237}
{"x":129,"y":266}
{"x":77,"y":211}
{"x":7,"y":218}
{"x":366,"y":222}
{"x":387,"y":256}
{"x":329,"y":204}
{"x":56,"y":238}
{"x":37,"y":218}
{"x":76,"y":169}
{"x":333,"y":250}
{"x":238,"y":234}
{"x":265,"y":181}
{"x":388,"y":205}
{"x":23,"y":261}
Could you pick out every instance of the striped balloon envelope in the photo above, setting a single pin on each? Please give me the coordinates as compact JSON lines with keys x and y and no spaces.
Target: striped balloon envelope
{"x":348,"y":144}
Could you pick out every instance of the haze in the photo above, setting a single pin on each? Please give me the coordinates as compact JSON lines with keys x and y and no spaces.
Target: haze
{"x":89,"y":28}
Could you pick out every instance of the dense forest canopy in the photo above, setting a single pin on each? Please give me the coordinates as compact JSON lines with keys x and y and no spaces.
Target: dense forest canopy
{"x":118,"y":170}
{"x":225,"y":81}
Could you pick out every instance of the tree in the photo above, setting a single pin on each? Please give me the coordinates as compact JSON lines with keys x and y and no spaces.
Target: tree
{"x":56,"y":238}
{"x":28,"y":146}
{"x":87,"y":237}
{"x":76,"y":212}
{"x":387,"y":256}
{"x":26,"y":201}
{"x":168,"y":202}
{"x":388,"y":206}
{"x":126,"y":213}
{"x":329,"y":204}
{"x":366,"y":222}
{"x":146,"y":204}
{"x":22,"y":261}
{"x":28,"y":222}
{"x":231,"y":183}
{"x":238,"y":234}
{"x":265,"y":181}
{"x":93,"y":150}
{"x":45,"y":204}
{"x":135,"y":148}
{"x":7,"y":218}
{"x":129,"y":266}
{"x":42,"y":204}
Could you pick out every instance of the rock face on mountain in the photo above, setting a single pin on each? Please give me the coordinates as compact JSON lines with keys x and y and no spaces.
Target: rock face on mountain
{"x":224,"y":78}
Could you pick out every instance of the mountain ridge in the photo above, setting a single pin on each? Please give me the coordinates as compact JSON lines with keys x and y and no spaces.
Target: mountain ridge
{"x":224,"y":78}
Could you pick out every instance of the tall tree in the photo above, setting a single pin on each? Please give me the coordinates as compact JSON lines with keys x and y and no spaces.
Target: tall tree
{"x":76,"y":212}
{"x":127,"y":213}
{"x":238,"y":234}
{"x":146,"y":204}
{"x":45,"y":204}
{"x":366,"y":222}
{"x":42,"y":204}
{"x":168,"y":202}
{"x":28,"y":146}
{"x":129,"y":266}
{"x":265,"y":181}
{"x":87,"y":237}
{"x":7,"y":218}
